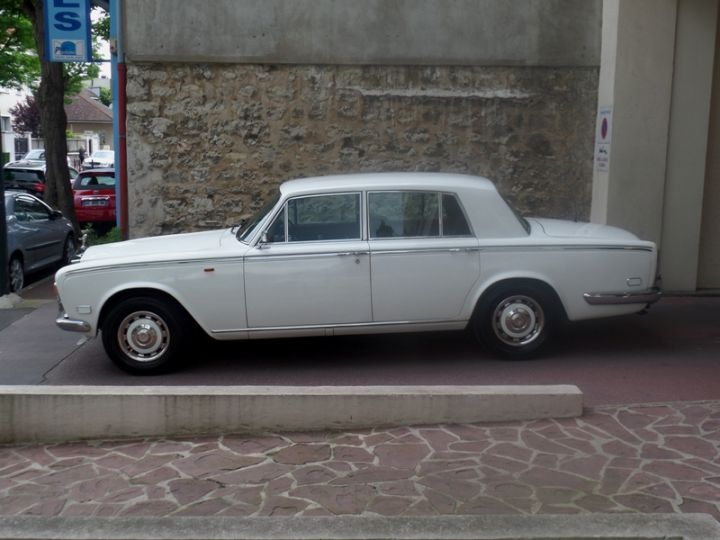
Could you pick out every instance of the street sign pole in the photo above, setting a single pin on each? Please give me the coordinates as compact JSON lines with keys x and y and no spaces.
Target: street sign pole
{"x":4,"y":282}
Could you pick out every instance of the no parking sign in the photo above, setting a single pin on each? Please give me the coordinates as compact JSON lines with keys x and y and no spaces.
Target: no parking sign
{"x":602,"y":139}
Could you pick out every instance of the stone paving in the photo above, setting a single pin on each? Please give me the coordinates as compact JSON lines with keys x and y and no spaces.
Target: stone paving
{"x":661,"y":458}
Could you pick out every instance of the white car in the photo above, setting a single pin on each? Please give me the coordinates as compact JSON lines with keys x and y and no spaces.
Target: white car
{"x":100,"y":159}
{"x":367,"y":253}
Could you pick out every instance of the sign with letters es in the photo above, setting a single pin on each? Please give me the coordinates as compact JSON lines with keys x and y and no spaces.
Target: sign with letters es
{"x":67,"y":31}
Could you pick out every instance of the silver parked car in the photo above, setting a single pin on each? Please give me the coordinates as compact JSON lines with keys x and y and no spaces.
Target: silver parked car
{"x":37,"y":237}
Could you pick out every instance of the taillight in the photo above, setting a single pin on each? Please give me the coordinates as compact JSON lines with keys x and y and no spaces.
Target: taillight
{"x":39,"y":187}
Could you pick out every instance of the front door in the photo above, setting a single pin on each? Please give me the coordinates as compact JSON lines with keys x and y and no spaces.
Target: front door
{"x":312,"y":268}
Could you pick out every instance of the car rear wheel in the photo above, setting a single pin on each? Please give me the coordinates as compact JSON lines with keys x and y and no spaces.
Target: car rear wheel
{"x":515,"y":321}
{"x":16,"y":274}
{"x":145,"y":335}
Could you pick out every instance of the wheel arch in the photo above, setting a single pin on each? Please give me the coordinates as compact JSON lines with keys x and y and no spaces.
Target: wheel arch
{"x":124,"y":294}
{"x":491,"y":287}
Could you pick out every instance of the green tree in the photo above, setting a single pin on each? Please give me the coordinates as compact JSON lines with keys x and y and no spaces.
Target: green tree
{"x":23,"y":62}
{"x":19,"y":65}
{"x":106,"y":96}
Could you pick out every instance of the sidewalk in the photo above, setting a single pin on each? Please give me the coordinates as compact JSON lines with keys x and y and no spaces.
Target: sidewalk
{"x":662,"y":458}
{"x":636,"y":459}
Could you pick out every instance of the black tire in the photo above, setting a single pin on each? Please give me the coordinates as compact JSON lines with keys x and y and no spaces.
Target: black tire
{"x":16,"y":274}
{"x":146,"y":335}
{"x":68,"y":250}
{"x":516,"y":321}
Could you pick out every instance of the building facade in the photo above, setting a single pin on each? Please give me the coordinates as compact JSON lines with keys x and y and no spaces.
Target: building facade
{"x":233,"y":97}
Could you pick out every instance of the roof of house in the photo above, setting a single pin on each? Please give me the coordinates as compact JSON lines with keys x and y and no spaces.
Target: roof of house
{"x":86,"y":108}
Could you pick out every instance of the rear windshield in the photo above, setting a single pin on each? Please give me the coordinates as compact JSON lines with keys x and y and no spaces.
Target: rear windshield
{"x":96,"y":181}
{"x":24,"y":176}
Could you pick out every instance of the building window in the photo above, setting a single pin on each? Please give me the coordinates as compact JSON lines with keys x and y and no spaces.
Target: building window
{"x":5,"y":124}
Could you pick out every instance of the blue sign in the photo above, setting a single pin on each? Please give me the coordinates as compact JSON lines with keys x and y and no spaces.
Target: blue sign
{"x":67,"y":31}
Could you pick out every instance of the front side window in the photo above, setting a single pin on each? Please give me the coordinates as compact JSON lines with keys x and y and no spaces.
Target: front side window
{"x":322,"y":217}
{"x":30,"y":210}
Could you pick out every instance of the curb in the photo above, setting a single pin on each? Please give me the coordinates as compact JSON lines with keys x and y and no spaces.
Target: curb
{"x":575,"y":527}
{"x":66,"y":413}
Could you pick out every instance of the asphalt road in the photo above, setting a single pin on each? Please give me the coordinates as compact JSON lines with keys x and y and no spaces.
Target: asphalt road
{"x":670,"y":354}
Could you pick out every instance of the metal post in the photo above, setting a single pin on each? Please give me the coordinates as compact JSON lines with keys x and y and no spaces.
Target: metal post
{"x":4,"y":283}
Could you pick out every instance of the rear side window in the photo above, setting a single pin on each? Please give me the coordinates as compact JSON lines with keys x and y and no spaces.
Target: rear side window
{"x":453,"y":218}
{"x":415,"y":214}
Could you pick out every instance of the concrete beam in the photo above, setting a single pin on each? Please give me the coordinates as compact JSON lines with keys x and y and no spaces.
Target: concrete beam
{"x":418,"y":32}
{"x":64,"y":413}
{"x":537,"y":527}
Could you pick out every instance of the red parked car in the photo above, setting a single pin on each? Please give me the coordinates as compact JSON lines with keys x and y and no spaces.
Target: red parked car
{"x":94,"y":193}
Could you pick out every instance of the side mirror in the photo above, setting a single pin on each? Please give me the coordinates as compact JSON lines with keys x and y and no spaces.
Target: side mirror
{"x":262,"y":244}
{"x":56,"y":214}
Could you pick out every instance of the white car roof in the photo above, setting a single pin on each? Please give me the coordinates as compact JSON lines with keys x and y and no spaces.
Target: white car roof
{"x":399,"y":180}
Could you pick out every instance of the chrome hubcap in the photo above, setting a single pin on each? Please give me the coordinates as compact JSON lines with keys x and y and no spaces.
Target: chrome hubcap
{"x":16,"y":275}
{"x":143,"y":336}
{"x":518,"y":320}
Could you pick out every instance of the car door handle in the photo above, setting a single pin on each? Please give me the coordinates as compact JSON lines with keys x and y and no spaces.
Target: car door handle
{"x":351,"y":253}
{"x":464,"y":250}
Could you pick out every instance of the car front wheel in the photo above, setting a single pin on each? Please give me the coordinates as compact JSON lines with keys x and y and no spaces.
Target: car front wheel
{"x":516,"y":321}
{"x":145,"y":335}
{"x":16,"y":274}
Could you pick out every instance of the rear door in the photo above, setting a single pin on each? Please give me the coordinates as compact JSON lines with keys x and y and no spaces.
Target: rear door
{"x":424,"y":256}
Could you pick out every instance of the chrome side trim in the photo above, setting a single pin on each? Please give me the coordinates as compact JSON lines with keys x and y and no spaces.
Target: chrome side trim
{"x":225,"y":260}
{"x":614,"y":298}
{"x":342,"y":325}
{"x":425,"y":250}
{"x":577,"y":247}
{"x":289,"y":256}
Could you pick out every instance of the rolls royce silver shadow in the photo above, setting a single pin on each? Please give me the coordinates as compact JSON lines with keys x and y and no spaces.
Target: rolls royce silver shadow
{"x":365,"y":253}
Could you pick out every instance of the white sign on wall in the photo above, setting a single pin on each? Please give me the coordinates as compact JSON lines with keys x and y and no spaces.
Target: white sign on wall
{"x":602,"y":139}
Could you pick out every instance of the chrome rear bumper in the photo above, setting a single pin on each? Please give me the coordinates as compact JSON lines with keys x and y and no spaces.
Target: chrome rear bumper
{"x":614,"y":298}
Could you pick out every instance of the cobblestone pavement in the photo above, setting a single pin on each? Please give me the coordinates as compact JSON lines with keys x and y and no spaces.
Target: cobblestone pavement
{"x":647,"y":458}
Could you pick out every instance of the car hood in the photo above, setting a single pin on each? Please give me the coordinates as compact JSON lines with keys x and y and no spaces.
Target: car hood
{"x":558,"y":228}
{"x":157,"y":247}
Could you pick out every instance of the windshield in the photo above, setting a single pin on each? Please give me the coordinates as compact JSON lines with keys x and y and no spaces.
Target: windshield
{"x":103,"y":154}
{"x":35,"y":154}
{"x":248,"y":229}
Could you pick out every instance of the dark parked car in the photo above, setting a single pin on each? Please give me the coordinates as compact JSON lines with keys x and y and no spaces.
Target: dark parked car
{"x":28,"y":177}
{"x":94,"y":194}
{"x":37,"y":237}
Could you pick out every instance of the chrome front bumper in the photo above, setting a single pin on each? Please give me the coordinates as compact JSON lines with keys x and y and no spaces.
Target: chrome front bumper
{"x":614,"y":298}
{"x":71,"y":325}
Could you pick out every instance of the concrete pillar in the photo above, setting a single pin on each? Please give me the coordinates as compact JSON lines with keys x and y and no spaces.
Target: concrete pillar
{"x":709,"y":271}
{"x":656,"y":79}
{"x":688,"y":143}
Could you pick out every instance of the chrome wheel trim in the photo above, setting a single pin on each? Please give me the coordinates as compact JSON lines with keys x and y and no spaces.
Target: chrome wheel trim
{"x":143,"y":336}
{"x":518,"y":320}
{"x":16,"y":275}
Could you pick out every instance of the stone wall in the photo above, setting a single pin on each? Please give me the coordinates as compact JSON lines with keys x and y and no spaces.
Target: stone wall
{"x":207,"y":143}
